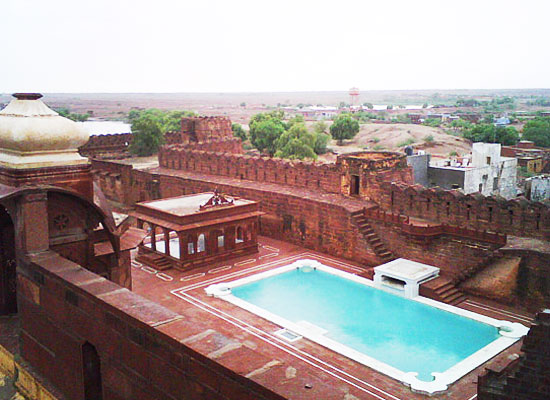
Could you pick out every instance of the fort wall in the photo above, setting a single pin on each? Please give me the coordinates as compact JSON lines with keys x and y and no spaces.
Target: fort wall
{"x":372,"y":173}
{"x":64,"y":307}
{"x":519,"y":217}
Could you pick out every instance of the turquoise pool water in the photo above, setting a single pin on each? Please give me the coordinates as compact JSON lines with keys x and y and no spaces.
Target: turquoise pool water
{"x":402,"y":333}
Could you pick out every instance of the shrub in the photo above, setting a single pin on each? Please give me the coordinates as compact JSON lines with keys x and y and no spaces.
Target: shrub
{"x":429,"y":138}
{"x":405,"y":142}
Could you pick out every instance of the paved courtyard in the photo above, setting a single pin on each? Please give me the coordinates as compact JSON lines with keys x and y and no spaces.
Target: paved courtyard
{"x":248,"y":345}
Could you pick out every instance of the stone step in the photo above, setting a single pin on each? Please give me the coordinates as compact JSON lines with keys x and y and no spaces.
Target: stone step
{"x":443,"y":288}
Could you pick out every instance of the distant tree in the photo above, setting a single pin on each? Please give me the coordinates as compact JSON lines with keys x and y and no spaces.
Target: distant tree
{"x":149,"y":126}
{"x":489,"y":133}
{"x":488,"y":119}
{"x":243,"y":104}
{"x":296,"y":149}
{"x":171,"y":120}
{"x":265,"y":129}
{"x":297,"y":119}
{"x":238,"y":131}
{"x":65,"y":112}
{"x":344,"y":127}
{"x":265,"y":134}
{"x":538,"y":131}
{"x":389,"y":107}
{"x":147,"y":135}
{"x":425,"y":105}
{"x":368,"y":105}
{"x":320,"y":127}
{"x":433,"y":122}
{"x":321,"y":142}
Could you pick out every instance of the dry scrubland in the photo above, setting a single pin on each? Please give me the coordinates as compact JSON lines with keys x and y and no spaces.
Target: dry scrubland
{"x":394,"y":136}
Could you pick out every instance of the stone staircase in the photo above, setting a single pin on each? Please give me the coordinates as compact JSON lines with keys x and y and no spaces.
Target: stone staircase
{"x":155,"y":261}
{"x":372,"y":237}
{"x":443,"y":290}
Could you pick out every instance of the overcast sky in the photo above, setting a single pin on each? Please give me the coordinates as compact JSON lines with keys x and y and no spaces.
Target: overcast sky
{"x":298,"y":45}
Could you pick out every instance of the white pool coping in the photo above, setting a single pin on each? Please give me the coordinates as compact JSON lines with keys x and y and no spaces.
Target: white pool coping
{"x":510,"y":332}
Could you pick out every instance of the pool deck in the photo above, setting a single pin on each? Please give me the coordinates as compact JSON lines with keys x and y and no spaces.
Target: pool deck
{"x":303,"y":369}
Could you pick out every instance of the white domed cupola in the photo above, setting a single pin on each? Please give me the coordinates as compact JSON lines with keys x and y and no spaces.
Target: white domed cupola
{"x":34,"y":136}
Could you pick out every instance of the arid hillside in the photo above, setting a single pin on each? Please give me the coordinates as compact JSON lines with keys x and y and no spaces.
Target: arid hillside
{"x":395,"y":137}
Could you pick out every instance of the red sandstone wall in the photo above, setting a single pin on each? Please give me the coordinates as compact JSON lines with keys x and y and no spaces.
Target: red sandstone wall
{"x":518,"y":217}
{"x":113,"y":146}
{"x":453,"y":255}
{"x":311,"y":175}
{"x":62,"y":306}
{"x":322,"y":226}
{"x":204,"y":129}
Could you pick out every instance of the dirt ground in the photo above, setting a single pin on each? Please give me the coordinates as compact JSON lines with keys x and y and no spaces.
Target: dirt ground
{"x":395,"y":137}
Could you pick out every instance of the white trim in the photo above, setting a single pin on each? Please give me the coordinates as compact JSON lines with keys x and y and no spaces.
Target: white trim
{"x":511,"y":333}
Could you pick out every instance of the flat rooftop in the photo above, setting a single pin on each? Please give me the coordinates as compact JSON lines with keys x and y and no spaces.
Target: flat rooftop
{"x":247,"y":344}
{"x":190,"y":204}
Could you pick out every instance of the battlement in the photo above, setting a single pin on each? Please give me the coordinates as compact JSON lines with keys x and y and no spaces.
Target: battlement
{"x":517,"y":216}
{"x":204,"y":129}
{"x":110,"y":145}
{"x":306,"y":174}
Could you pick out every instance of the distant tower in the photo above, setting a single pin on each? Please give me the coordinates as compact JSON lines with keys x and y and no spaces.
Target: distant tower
{"x":354,"y":96}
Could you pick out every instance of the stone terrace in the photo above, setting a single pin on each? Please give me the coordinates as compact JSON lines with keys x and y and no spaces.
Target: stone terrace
{"x":245,"y":343}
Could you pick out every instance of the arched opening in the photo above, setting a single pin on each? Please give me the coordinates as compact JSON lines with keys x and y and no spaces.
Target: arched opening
{"x":91,"y":367}
{"x":190,"y":244}
{"x":8,"y":282}
{"x":201,"y":243}
{"x":239,"y":238}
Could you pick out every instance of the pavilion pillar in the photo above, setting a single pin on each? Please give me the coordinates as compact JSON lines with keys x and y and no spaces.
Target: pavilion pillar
{"x":166,"y":241}
{"x":212,"y":242}
{"x":153,"y":237}
{"x":182,"y":241}
{"x":229,"y":235}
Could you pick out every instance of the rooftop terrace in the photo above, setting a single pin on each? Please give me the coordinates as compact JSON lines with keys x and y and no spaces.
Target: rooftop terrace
{"x":247,"y":344}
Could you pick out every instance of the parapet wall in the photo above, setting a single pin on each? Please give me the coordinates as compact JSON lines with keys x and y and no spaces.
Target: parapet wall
{"x":519,"y":216}
{"x":102,"y":146}
{"x":204,"y":129}
{"x":311,"y":175}
{"x":64,"y":308}
{"x":374,"y":170}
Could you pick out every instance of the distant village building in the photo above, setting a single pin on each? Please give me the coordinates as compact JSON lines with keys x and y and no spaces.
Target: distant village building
{"x":501,"y":121}
{"x":537,"y":188}
{"x":486,"y":172}
{"x":318,"y":112}
{"x":534,"y":159}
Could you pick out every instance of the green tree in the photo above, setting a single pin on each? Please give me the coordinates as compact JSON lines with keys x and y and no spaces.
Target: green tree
{"x":320,"y":127}
{"x":297,"y":119}
{"x":296,"y":149}
{"x":65,"y":112}
{"x":265,"y":134}
{"x":265,"y":129}
{"x":538,"y":131}
{"x":147,"y":135}
{"x":321,"y":142}
{"x":238,"y":131}
{"x":149,"y":126}
{"x":344,"y":127}
{"x":489,"y":133}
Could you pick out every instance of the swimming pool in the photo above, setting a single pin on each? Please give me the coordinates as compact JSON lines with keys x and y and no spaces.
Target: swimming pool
{"x":425,"y":344}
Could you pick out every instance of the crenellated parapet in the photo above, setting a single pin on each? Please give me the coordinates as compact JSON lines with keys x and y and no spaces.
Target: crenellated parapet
{"x":518,"y":216}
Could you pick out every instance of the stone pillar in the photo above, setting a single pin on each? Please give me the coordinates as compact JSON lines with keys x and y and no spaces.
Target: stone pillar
{"x":182,"y":240}
{"x":153,"y":237}
{"x":31,"y":229}
{"x":229,"y":237}
{"x":166,"y":241}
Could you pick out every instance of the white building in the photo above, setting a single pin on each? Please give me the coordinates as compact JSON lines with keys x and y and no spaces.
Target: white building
{"x":486,"y":172}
